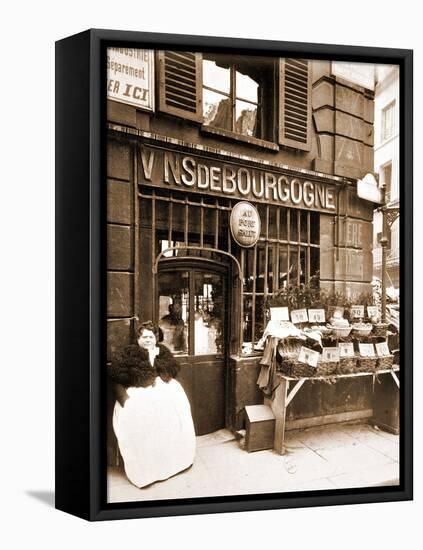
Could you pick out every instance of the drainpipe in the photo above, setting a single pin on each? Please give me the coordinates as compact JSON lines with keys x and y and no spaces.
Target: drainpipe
{"x":384,"y":245}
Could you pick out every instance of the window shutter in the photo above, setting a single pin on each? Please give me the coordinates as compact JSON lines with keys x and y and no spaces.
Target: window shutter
{"x":295,"y":103}
{"x":180,"y":85}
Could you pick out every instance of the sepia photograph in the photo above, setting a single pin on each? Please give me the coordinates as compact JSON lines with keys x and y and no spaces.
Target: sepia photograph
{"x":253,"y":274}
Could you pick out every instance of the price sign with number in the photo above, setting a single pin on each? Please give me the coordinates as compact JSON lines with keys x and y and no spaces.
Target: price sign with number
{"x":279,"y":314}
{"x":299,"y":316}
{"x":308,"y":356}
{"x":357,"y":312}
{"x":346,"y":349}
{"x":367,"y":350}
{"x":316,"y":315}
{"x":382,"y":349}
{"x":372,"y":311}
{"x":330,"y":354}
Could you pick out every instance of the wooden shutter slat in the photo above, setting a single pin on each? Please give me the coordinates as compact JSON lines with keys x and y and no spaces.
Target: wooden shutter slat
{"x":180,"y":84}
{"x":295,"y":103}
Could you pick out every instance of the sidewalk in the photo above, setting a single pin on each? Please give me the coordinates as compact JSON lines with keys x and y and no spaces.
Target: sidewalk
{"x":327,"y":457}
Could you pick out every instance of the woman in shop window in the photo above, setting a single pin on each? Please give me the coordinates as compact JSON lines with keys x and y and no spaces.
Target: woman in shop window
{"x":152,"y":415}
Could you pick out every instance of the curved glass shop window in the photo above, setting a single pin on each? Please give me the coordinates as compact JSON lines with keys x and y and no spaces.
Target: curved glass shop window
{"x":191,"y":311}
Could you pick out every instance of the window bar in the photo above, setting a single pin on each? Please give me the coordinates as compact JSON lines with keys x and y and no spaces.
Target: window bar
{"x":229,"y":229}
{"x":266,"y":263}
{"x":169,"y":233}
{"x":253,"y":308}
{"x":288,"y":248}
{"x":153,"y":249}
{"x":186,"y":223}
{"x":241,"y":305}
{"x":299,"y":247}
{"x":308,"y":260}
{"x":201,"y":223}
{"x":233,"y":96}
{"x":216,"y":226}
{"x":276,"y":254}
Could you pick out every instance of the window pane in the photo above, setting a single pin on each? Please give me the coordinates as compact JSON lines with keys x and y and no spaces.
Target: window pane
{"x":245,"y":114}
{"x":283,"y":267}
{"x":217,"y":110}
{"x":208,"y":316}
{"x":174,"y":310}
{"x":246,"y":87}
{"x":216,"y":77}
{"x":260,"y":319}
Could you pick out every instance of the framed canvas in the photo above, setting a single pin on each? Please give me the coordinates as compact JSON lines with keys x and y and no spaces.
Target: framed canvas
{"x":233,"y":228}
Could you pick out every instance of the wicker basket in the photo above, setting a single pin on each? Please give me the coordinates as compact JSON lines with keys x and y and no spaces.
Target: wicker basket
{"x":347,"y":365}
{"x":341,"y":332}
{"x":326,"y":368}
{"x":380,"y":329}
{"x":365,"y":330}
{"x":366,"y":364}
{"x":301,"y":370}
{"x":385,"y":362}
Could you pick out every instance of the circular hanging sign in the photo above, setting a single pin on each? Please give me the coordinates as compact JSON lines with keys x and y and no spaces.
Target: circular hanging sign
{"x":245,"y":224}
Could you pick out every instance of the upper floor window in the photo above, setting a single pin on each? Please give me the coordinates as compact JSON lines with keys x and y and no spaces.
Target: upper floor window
{"x":232,"y":98}
{"x":243,"y":97}
{"x":388,"y":121}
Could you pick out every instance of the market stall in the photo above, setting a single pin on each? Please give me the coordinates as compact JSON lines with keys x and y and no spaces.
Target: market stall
{"x":323,"y":345}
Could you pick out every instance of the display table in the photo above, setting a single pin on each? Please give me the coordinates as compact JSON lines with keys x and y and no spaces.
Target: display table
{"x":283,"y":397}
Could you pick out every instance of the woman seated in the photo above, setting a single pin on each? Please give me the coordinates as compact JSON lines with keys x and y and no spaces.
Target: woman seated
{"x":152,"y":415}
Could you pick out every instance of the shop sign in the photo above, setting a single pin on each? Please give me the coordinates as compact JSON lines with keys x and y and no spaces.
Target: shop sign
{"x":346,"y":349}
{"x":367,"y":350}
{"x":357,"y":312}
{"x":372,"y":311}
{"x":330,"y":355}
{"x":245,"y":224}
{"x":279,"y":314}
{"x":308,"y":356}
{"x":316,"y":315}
{"x":382,"y":349}
{"x":299,"y":316}
{"x":368,"y":189}
{"x":130,"y":77}
{"x":201,"y":174}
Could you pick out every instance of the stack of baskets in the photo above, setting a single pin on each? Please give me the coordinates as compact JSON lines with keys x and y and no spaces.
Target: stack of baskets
{"x":366,"y":364}
{"x":347,"y":365}
{"x":385,"y":363}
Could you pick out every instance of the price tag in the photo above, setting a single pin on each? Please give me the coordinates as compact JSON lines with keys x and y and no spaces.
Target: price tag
{"x":367,"y":350}
{"x":372,"y":311}
{"x":308,"y":356}
{"x":316,"y":315}
{"x":279,"y":314}
{"x":330,"y":354}
{"x":357,"y":312}
{"x":382,"y":349}
{"x":299,"y":316}
{"x":346,"y":349}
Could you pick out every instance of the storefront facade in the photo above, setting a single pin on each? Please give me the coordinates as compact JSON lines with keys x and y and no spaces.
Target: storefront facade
{"x":291,"y":147}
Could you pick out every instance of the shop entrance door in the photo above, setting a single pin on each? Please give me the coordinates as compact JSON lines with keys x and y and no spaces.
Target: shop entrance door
{"x":192,"y":300}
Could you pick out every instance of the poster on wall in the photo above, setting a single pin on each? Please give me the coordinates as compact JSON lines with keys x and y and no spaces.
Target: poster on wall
{"x":130,"y":77}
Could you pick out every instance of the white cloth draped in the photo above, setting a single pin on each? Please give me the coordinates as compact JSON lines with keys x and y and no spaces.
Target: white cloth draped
{"x":155,"y":432}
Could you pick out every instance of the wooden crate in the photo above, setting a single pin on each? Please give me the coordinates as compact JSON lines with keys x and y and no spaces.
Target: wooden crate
{"x":260,"y":427}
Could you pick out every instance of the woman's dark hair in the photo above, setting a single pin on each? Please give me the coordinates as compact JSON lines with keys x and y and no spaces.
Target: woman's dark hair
{"x":148,"y":325}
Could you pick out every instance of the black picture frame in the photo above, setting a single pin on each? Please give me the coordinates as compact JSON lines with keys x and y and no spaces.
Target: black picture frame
{"x":81,"y":282}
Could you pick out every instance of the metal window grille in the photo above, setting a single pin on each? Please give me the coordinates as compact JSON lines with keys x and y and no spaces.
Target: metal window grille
{"x":287,"y":252}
